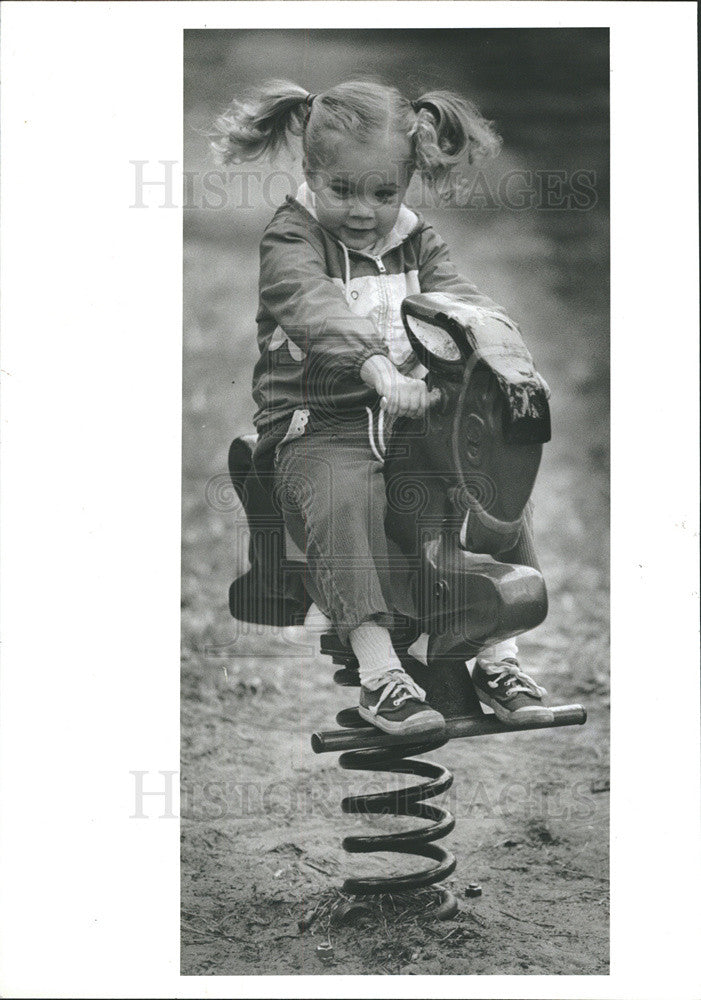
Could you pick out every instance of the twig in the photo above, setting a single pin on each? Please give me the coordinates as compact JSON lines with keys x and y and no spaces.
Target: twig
{"x":576,"y":871}
{"x":450,"y":934}
{"x":212,"y":931}
{"x":525,"y":920}
{"x":318,"y":868}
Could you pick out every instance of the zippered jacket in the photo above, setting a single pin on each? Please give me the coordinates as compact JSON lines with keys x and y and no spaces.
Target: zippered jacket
{"x":326,"y":308}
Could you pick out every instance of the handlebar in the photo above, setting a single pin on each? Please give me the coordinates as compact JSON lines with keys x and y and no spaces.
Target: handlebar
{"x":436,"y":399}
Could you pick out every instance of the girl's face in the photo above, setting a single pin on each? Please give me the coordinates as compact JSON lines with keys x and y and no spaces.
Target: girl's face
{"x":361,"y":188}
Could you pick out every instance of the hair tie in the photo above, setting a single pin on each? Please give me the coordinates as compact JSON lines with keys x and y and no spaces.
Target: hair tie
{"x":426,"y":106}
{"x":309,"y":100}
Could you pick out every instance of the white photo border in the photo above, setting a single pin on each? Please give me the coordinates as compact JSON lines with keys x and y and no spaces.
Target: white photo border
{"x":91,"y":423}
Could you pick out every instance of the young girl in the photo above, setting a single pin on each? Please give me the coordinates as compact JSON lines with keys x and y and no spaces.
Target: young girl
{"x":336,"y":262}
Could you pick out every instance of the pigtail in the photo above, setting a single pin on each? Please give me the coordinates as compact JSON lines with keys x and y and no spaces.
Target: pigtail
{"x":448,"y":131}
{"x":261,"y":123}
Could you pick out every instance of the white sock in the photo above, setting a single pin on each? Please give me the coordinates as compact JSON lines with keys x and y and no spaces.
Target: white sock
{"x":372,"y":645}
{"x":498,"y":652}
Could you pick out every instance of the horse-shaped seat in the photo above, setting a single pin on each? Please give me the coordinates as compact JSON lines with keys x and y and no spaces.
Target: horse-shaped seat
{"x":469,"y":467}
{"x":272,"y":591}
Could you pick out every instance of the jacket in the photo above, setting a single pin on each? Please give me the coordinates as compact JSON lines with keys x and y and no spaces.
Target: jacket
{"x":324,"y":309}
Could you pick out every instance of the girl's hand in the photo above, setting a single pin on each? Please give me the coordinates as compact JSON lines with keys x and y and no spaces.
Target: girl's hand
{"x":401,"y":396}
{"x":405,"y":397}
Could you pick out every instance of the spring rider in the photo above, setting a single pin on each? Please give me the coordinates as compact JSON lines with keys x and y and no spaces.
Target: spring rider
{"x":458,"y":484}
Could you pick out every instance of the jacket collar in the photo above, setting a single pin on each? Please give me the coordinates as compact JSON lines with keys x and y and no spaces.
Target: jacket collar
{"x":407,"y":222}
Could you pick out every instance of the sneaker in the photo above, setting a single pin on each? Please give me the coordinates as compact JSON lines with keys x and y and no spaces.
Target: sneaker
{"x":399,"y":707}
{"x":513,"y":696}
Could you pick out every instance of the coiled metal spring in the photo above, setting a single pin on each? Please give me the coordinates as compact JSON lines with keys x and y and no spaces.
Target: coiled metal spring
{"x":407,"y":801}
{"x":364,"y":748}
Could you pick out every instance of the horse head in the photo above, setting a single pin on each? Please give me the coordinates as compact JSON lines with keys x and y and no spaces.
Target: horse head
{"x":482,"y":443}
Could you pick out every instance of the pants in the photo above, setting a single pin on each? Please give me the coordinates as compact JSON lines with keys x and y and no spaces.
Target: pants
{"x":332,"y":491}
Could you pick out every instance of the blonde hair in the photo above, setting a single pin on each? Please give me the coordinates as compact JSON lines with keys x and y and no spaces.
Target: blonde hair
{"x":445,"y":129}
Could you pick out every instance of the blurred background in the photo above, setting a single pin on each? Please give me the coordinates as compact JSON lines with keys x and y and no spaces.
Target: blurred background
{"x":547,"y":92}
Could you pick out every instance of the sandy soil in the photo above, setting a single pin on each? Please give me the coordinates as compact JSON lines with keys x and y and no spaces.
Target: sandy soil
{"x":262,"y":829}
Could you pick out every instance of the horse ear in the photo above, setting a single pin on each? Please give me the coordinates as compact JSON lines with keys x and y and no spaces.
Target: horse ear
{"x":434,"y":337}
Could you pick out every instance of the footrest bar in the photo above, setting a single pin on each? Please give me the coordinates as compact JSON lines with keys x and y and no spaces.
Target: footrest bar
{"x":367,"y":737}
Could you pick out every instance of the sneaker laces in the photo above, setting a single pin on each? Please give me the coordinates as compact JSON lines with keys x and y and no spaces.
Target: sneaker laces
{"x":404,"y":687}
{"x":517,"y":681}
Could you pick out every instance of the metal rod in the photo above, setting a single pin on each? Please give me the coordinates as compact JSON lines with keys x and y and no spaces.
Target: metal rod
{"x":334,"y":740}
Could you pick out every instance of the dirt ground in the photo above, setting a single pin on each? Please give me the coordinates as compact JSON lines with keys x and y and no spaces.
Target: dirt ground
{"x":260,"y":813}
{"x":262,"y":828}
